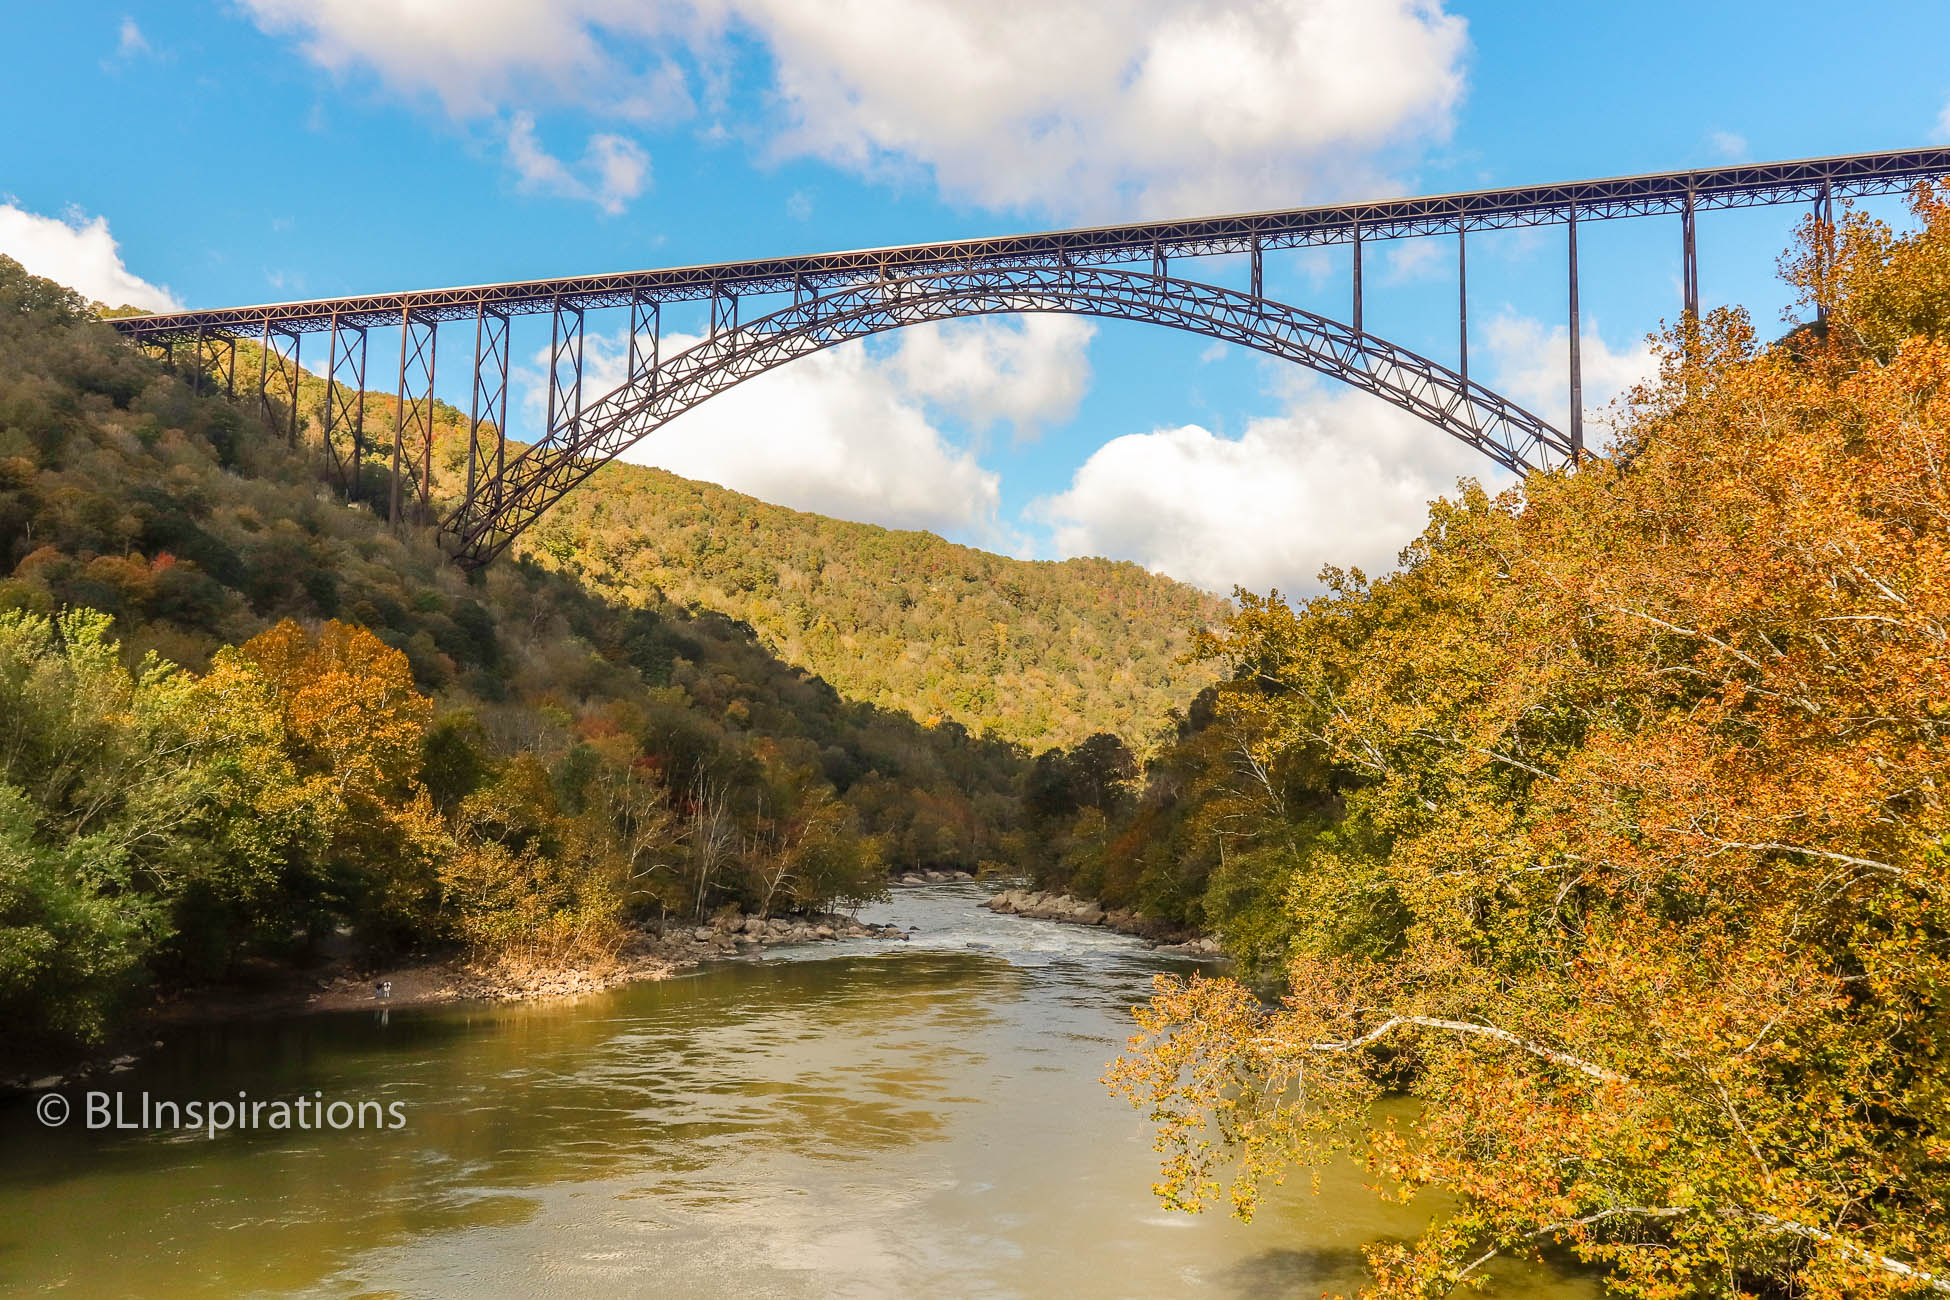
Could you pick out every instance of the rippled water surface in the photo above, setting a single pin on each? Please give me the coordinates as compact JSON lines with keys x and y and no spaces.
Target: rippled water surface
{"x":869,"y":1119}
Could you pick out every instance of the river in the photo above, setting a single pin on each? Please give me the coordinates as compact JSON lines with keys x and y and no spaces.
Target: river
{"x":869,"y":1119}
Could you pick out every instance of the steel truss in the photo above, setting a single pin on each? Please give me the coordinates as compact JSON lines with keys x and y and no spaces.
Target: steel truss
{"x":1153,"y":243}
{"x":573,"y":449}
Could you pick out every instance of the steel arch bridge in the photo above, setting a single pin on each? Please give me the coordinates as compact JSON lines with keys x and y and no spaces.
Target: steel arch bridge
{"x":487,"y":521}
{"x":836,"y":297}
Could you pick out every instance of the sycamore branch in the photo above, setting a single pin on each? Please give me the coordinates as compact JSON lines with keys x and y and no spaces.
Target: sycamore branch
{"x":1931,"y":1280}
{"x":1860,"y":1254}
{"x":1469,"y":1028}
{"x":1635,"y":1211}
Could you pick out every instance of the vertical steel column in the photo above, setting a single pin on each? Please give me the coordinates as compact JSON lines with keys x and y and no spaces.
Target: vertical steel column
{"x":230,"y":368}
{"x":490,"y":399}
{"x":1689,"y":256}
{"x":1259,"y":270}
{"x":1462,"y":300}
{"x":1160,"y":265}
{"x":724,"y":310}
{"x":565,"y":342}
{"x":650,"y":322}
{"x":1577,"y":360}
{"x":1824,"y":245}
{"x":1357,"y":278}
{"x":263,"y":374}
{"x":196,"y":364}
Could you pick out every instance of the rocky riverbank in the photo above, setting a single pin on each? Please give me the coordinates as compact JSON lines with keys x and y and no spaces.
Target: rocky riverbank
{"x":648,"y":954}
{"x":1040,"y":906}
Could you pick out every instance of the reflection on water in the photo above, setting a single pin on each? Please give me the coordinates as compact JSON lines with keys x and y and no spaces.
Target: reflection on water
{"x":920,"y":1118}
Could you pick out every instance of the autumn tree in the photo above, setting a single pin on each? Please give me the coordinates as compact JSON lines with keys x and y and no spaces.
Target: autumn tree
{"x":1639,"y":883}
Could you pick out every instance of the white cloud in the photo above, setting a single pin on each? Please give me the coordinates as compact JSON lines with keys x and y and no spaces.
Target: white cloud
{"x":475,"y":55}
{"x":613,"y":170}
{"x":80,"y":253}
{"x":1027,"y":371}
{"x":1343,"y":478}
{"x":130,"y":41}
{"x":1730,"y":145}
{"x":1531,"y":366}
{"x":1406,"y":261}
{"x":1340,"y":478}
{"x":846,"y":433}
{"x":1061,"y":105}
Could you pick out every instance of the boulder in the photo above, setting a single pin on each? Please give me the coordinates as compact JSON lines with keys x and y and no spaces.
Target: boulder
{"x":1090,"y":914}
{"x":823,"y":931}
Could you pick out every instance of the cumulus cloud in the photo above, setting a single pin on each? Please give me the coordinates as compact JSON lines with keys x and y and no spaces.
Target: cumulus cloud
{"x":1338,"y":478}
{"x":474,"y":55}
{"x":613,"y":170}
{"x":80,"y":253}
{"x":1342,"y":478}
{"x":845,"y":432}
{"x":1067,"y":106}
{"x":1025,"y":372}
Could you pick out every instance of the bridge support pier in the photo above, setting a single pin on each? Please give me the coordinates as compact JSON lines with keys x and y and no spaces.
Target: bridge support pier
{"x":1462,"y":301}
{"x":564,"y":348}
{"x":1577,"y":359}
{"x":646,"y":324}
{"x":1689,"y":256}
{"x":413,"y":410}
{"x":1358,"y":329}
{"x":724,"y":312}
{"x":345,"y":367}
{"x":490,"y":401}
{"x":280,"y":358}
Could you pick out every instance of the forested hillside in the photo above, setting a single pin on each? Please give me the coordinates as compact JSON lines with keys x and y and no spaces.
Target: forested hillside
{"x":1613,"y":829}
{"x":237,"y":713}
{"x":1040,"y":653}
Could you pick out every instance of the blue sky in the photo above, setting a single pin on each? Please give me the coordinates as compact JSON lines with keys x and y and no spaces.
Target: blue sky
{"x":273,"y":149}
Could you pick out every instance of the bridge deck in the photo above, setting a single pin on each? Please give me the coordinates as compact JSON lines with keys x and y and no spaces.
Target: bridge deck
{"x":1747,"y":185}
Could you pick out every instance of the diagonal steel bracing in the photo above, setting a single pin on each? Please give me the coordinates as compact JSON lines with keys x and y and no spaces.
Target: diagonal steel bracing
{"x":575,"y":448}
{"x":344,"y":430}
{"x":278,"y":369}
{"x":489,"y":405}
{"x":413,"y":415}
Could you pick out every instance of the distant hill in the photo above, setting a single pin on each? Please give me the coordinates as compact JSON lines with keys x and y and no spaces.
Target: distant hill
{"x":1038,"y":652}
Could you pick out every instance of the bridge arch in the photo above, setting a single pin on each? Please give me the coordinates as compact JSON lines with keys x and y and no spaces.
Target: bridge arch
{"x":499,"y":509}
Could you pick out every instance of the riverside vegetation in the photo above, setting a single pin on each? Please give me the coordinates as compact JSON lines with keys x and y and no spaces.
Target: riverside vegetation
{"x":238,"y":717}
{"x":1612,"y":829}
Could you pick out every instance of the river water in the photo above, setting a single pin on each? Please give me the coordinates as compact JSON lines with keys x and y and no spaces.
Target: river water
{"x":868,"y":1119}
